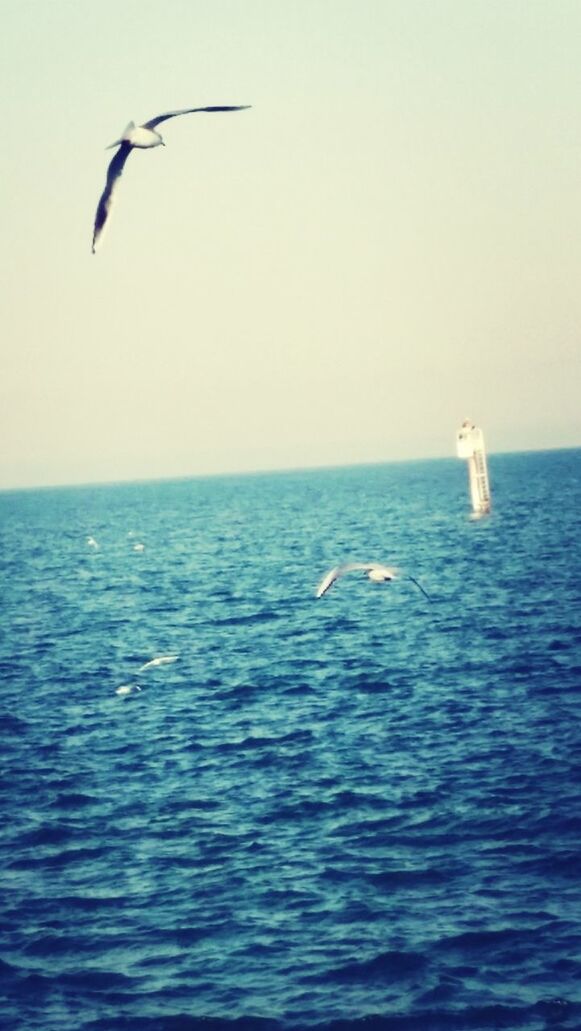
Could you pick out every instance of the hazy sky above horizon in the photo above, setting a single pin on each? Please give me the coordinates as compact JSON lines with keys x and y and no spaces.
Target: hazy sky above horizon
{"x":387,"y":242}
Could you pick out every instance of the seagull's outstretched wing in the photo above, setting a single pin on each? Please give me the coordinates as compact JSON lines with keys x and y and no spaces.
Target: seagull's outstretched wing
{"x":189,"y":111}
{"x":327,"y":581}
{"x":113,"y":175}
{"x":337,"y":571}
{"x":160,"y":660}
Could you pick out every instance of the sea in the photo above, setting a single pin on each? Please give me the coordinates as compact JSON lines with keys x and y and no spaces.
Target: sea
{"x":359,"y":812}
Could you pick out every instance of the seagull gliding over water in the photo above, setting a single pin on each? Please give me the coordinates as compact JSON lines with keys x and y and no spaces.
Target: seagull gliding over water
{"x":160,"y":660}
{"x":375,"y":571}
{"x":141,"y":136}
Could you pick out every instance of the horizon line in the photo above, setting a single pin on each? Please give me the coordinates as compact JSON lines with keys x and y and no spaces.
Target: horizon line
{"x":270,"y":470}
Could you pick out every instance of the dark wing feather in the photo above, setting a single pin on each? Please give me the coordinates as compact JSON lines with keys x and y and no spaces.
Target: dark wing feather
{"x":414,"y":581}
{"x":189,"y":111}
{"x":104,"y":207}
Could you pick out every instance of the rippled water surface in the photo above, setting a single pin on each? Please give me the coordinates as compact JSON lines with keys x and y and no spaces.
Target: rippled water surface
{"x":354,"y":812}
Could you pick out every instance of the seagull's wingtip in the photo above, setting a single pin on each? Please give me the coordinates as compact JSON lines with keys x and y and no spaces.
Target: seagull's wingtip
{"x":327,"y":582}
{"x":419,"y":586}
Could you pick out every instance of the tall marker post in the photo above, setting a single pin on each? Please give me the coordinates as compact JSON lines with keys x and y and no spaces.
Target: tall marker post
{"x":470,"y":445}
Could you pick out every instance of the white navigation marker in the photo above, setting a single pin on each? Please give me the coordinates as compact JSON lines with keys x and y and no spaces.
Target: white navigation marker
{"x":376,"y":572}
{"x":143,"y":137}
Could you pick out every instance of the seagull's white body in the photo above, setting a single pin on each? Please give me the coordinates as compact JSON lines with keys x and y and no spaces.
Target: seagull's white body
{"x":138,"y":136}
{"x":376,"y":572}
{"x":141,"y":137}
{"x":160,"y":660}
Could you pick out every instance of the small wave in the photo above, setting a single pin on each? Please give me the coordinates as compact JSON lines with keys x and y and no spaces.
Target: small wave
{"x":386,"y":966}
{"x":95,"y":980}
{"x":266,"y":616}
{"x":57,"y":860}
{"x":298,"y":811}
{"x":256,"y":742}
{"x":8,"y":971}
{"x":90,"y":903}
{"x":13,"y":724}
{"x":557,"y":1012}
{"x":559,"y":864}
{"x":369,"y":683}
{"x":48,"y":834}
{"x":346,"y":799}
{"x":391,"y":879}
{"x":476,"y":941}
{"x":74,"y":800}
{"x":180,"y":806}
{"x":185,"y":1022}
{"x":52,"y":945}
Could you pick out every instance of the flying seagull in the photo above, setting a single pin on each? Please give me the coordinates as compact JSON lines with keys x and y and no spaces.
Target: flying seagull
{"x":141,"y":136}
{"x":375,"y":571}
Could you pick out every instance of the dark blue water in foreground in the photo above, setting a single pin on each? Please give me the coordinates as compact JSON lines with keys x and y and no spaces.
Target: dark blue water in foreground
{"x":360,"y":812}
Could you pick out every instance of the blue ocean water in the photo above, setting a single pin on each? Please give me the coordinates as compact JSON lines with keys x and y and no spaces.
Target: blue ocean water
{"x":358,"y":812}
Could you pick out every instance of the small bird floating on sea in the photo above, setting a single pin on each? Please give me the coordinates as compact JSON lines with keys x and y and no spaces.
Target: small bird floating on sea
{"x":127,"y":689}
{"x":142,"y":137}
{"x":376,"y":572}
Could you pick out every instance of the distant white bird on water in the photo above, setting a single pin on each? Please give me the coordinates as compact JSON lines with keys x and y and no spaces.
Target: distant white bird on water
{"x":92,"y":542}
{"x":376,"y":572}
{"x":143,"y":137}
{"x":127,"y":689}
{"x":160,"y":660}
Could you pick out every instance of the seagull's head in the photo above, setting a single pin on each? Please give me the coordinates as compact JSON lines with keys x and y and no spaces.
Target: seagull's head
{"x":381,"y":575}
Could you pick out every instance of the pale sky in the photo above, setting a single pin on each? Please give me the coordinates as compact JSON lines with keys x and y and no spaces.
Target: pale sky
{"x":389,"y":241}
